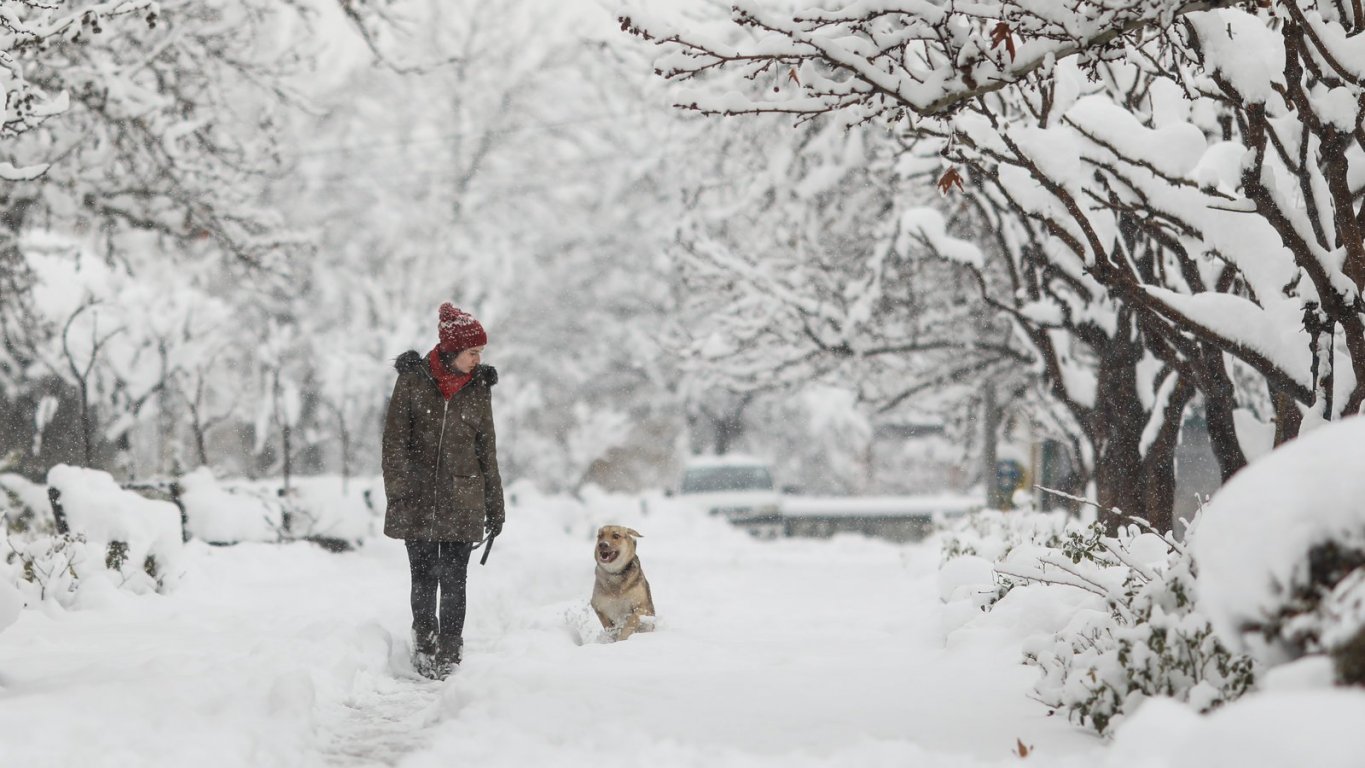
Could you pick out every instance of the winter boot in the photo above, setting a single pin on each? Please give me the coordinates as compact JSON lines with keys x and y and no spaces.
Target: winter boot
{"x":449,"y":652}
{"x":424,"y":652}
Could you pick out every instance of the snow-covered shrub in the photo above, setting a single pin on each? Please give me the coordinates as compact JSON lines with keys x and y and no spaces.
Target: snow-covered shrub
{"x":1148,"y":639}
{"x":24,"y":506}
{"x":1151,"y":641}
{"x":59,"y":567}
{"x":993,"y":535}
{"x":116,"y":538}
{"x":1282,"y":552}
{"x":219,"y":516}
{"x":139,"y":538}
{"x":323,"y":509}
{"x":48,"y":567}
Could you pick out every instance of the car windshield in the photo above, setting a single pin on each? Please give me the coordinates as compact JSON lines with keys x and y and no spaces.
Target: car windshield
{"x":708,"y":479}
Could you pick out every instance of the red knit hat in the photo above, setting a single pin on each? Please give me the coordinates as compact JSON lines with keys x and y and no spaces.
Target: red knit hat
{"x":459,"y":330}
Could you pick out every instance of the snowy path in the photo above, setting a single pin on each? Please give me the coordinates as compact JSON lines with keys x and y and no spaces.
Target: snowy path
{"x":786,"y":653}
{"x":381,"y":725}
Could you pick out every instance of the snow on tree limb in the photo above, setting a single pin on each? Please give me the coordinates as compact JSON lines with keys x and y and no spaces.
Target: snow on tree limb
{"x":27,"y":29}
{"x":893,"y":56}
{"x":1139,"y":165}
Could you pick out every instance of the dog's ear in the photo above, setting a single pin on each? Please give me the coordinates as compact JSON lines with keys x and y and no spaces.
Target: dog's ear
{"x":634,"y":533}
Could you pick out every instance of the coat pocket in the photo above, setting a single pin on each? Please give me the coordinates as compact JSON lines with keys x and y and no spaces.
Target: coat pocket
{"x":469,"y":492}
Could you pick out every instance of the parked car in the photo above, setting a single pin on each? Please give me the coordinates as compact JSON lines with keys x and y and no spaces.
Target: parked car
{"x":739,"y":488}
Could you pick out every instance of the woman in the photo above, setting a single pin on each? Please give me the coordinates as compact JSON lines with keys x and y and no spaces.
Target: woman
{"x":441,"y":479}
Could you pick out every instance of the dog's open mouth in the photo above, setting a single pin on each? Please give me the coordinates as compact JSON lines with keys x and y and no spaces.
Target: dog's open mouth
{"x":607,"y":555}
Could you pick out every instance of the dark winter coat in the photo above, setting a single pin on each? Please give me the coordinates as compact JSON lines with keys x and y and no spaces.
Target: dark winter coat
{"x":440,"y":457}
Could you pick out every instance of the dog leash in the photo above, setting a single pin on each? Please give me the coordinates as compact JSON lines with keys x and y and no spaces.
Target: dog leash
{"x":487,"y":550}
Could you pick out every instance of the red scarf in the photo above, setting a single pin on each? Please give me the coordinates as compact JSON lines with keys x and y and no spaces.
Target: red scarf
{"x":449,"y":382}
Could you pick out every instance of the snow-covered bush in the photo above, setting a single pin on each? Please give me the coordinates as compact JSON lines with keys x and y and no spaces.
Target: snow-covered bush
{"x":991,"y":533}
{"x":116,"y":539}
{"x":24,"y":506}
{"x":1151,"y":641}
{"x":218,"y":516}
{"x":61,"y":567}
{"x":1282,"y":552}
{"x":325,"y":509}
{"x":48,"y":567}
{"x":1148,"y":639}
{"x":140,"y":538}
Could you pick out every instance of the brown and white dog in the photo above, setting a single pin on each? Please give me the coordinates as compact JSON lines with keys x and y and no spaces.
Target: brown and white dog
{"x":621,"y":594}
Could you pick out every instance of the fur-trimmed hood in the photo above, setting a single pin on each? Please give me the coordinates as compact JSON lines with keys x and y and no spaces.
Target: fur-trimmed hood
{"x":413,"y":361}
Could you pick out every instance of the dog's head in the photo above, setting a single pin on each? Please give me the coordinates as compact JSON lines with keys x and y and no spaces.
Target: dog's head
{"x":615,"y":547}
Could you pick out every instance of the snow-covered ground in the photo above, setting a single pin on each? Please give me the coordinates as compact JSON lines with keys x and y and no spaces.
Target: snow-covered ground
{"x":768,"y":653}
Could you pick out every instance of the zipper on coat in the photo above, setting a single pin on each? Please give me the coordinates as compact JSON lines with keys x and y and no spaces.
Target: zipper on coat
{"x":436,"y":484}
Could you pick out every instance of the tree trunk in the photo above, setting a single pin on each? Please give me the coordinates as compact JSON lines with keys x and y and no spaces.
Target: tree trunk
{"x":86,"y":429}
{"x":1220,"y":400}
{"x":200,"y":448}
{"x":728,"y":425}
{"x":345,"y":451}
{"x":990,"y":428}
{"x":284,"y":440}
{"x":1288,"y":417}
{"x":1137,"y":483}
{"x":1158,"y":463}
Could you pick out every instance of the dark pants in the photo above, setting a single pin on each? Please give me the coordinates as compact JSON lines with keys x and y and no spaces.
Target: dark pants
{"x":442,"y":564}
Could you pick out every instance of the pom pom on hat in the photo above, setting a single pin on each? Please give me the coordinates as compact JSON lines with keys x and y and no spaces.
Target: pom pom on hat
{"x":459,"y":330}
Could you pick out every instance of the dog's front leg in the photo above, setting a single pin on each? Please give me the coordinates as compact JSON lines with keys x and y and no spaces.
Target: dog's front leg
{"x":630,"y":627}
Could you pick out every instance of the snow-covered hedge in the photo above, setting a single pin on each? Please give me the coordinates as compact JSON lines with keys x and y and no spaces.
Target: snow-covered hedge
{"x":992,"y":534}
{"x":116,"y":539}
{"x":1151,"y":641}
{"x":54,"y":567}
{"x":972,"y":544}
{"x":323,"y":508}
{"x":1144,"y":636}
{"x":218,"y":516}
{"x":141,"y":537}
{"x":1282,"y":552}
{"x":24,"y":506}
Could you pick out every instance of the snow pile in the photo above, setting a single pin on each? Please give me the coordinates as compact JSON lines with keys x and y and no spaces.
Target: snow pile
{"x":217,"y":516}
{"x":141,"y":537}
{"x":11,"y":602}
{"x":336,"y":508}
{"x":1282,"y":548}
{"x":1283,"y":729}
{"x":1124,"y":625}
{"x":325,"y":508}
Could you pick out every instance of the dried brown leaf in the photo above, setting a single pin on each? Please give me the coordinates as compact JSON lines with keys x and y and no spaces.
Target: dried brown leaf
{"x":951,"y":178}
{"x":1001,"y":34}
